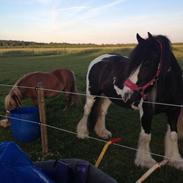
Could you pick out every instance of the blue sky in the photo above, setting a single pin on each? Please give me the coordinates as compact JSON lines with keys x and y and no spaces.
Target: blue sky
{"x":95,"y":21}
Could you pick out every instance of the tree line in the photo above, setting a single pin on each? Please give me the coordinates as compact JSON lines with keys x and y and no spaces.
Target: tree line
{"x":31,"y":44}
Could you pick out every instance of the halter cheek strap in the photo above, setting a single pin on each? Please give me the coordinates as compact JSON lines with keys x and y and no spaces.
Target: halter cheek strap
{"x":141,"y":89}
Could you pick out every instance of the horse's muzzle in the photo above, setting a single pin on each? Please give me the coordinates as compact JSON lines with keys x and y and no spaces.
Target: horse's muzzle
{"x":135,"y":100}
{"x":126,"y":96}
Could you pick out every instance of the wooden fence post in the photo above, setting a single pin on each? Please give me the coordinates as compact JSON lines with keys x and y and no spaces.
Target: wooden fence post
{"x":42,"y":116}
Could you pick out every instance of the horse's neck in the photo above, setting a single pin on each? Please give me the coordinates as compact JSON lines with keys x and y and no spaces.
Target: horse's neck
{"x":15,"y":90}
{"x":170,"y":87}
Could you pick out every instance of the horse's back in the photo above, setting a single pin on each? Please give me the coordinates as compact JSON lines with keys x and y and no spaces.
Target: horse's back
{"x":66,"y":76}
{"x":104,"y":69}
{"x":62,"y":72}
{"x":46,"y":79}
{"x":32,"y":79}
{"x":108,"y":58}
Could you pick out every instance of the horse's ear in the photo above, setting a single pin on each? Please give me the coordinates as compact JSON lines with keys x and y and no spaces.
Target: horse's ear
{"x":149,"y":35}
{"x":139,"y":38}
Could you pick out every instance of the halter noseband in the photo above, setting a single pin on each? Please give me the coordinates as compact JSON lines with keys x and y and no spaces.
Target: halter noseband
{"x":134,"y":87}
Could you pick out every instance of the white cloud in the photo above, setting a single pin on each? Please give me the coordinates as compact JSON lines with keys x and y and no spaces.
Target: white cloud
{"x":96,"y":11}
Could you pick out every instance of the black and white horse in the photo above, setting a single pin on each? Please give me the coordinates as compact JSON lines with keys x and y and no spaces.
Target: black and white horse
{"x":150,"y":74}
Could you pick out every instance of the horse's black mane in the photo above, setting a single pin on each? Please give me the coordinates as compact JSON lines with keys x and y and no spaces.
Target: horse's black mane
{"x":168,"y":59}
{"x":163,"y":39}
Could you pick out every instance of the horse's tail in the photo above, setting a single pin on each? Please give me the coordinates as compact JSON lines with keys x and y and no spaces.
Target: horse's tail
{"x":180,"y":124}
{"x":75,"y":98}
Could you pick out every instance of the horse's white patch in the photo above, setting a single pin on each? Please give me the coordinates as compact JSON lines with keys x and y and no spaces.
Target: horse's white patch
{"x":118,"y":90}
{"x":121,"y":92}
{"x":92,"y":63}
{"x":134,"y":76}
{"x":143,"y":156}
{"x":171,"y":149}
{"x":126,"y":92}
{"x":168,"y":146}
{"x":171,"y":144}
{"x":82,"y":130}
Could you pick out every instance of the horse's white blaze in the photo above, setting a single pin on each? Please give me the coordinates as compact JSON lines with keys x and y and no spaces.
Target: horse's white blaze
{"x":143,"y":156}
{"x":95,"y":61}
{"x":100,"y":127}
{"x":134,"y":78}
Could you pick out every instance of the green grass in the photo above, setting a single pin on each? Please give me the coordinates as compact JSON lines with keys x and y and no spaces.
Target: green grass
{"x":118,"y":162}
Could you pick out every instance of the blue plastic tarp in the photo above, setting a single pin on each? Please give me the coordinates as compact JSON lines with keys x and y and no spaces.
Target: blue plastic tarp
{"x":16,"y":167}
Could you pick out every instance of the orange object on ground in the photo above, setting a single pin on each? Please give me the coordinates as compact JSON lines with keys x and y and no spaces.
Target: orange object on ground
{"x":106,"y":146}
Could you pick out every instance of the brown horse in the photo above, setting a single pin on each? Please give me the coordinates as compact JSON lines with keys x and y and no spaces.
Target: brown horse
{"x":25,"y":87}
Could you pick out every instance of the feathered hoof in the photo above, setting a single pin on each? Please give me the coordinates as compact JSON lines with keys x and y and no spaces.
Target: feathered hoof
{"x":82,"y":131}
{"x":4,"y":123}
{"x":145,"y":163}
{"x":103,"y":133}
{"x":82,"y":135}
{"x":178,"y":163}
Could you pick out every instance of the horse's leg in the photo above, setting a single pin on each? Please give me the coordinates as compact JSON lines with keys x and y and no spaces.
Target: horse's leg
{"x":143,"y":155}
{"x":67,"y":99}
{"x":171,"y":141}
{"x":67,"y":103}
{"x":100,"y":128}
{"x":82,"y":130}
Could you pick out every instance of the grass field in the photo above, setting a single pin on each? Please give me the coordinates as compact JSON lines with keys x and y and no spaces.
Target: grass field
{"x":118,"y":162}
